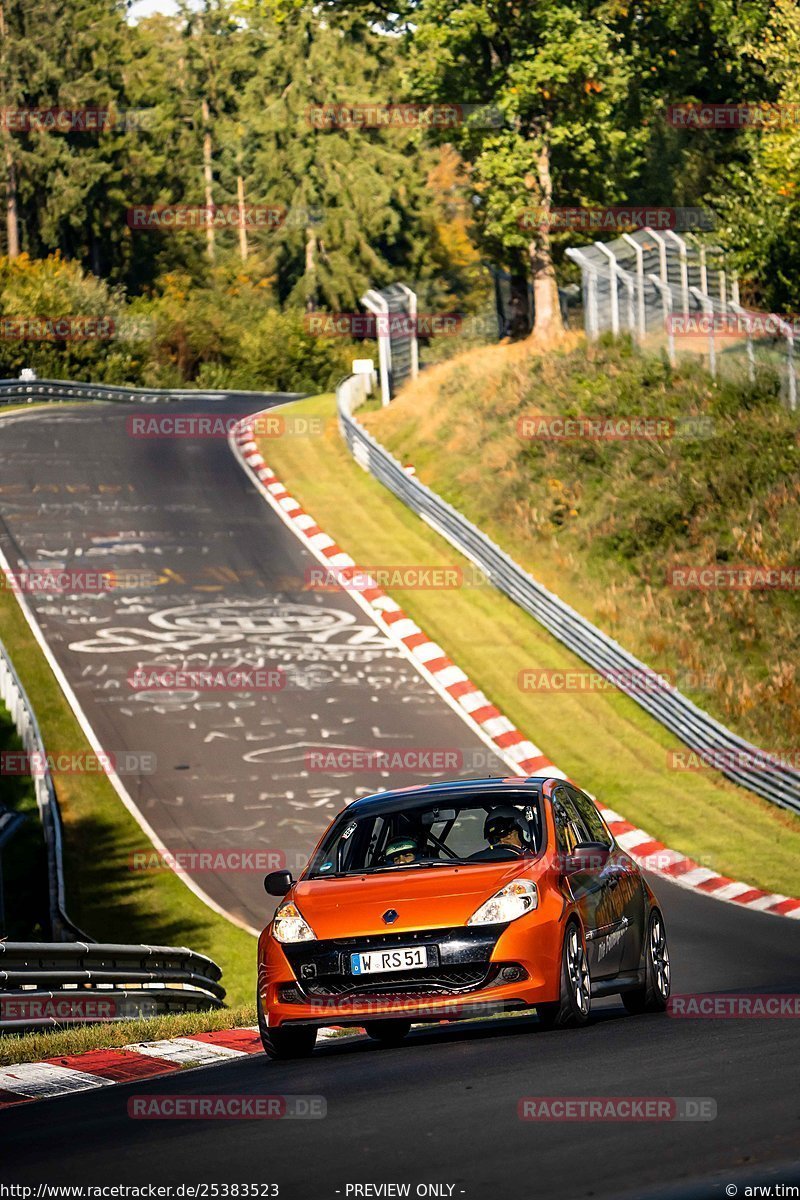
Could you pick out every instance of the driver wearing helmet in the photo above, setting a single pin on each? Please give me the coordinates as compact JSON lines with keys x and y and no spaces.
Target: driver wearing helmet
{"x":400,"y":852}
{"x":506,"y":831}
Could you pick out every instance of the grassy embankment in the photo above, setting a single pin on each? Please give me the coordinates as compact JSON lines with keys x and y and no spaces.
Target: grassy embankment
{"x":603,"y":740}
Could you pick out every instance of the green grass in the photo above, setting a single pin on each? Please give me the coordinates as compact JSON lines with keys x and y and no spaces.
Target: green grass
{"x":604,"y":741}
{"x":33,"y":1047}
{"x":104,"y":897}
{"x":601,"y":522}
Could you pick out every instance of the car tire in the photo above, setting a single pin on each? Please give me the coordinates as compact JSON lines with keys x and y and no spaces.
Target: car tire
{"x":388,"y":1033}
{"x":654,"y":994}
{"x":575,"y":1004}
{"x":296,"y":1041}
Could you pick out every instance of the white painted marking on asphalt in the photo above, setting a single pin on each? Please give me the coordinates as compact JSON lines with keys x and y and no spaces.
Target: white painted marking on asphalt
{"x":47,"y":1079}
{"x":185,"y":1050}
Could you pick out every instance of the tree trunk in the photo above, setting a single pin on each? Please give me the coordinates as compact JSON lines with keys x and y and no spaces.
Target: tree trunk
{"x":12,"y":212}
{"x":311,"y":268}
{"x":547,"y":310}
{"x":208,"y":175}
{"x":242,"y":225}
{"x":12,"y":215}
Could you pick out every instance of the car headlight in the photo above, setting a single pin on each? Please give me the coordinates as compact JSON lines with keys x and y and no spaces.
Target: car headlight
{"x":289,"y":925}
{"x":512,"y":901}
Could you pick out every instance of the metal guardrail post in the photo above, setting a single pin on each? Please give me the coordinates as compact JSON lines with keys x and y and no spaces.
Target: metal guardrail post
{"x":612,"y":283}
{"x":751,"y":357}
{"x":788,"y":333}
{"x":412,"y":312}
{"x":375,"y":303}
{"x":707,"y":305}
{"x":684,"y":265}
{"x":640,"y":313}
{"x":589,"y":281}
{"x":662,"y":254}
{"x":665,"y":292}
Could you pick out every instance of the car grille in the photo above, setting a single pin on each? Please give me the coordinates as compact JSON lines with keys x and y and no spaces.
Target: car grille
{"x":436,"y":981}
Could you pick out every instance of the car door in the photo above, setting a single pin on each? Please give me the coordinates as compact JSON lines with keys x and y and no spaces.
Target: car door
{"x":619,"y":946}
{"x":593,"y":886}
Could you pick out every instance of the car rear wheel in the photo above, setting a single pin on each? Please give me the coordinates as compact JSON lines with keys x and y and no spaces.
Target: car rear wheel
{"x":388,"y":1033}
{"x":576,"y":986}
{"x":285,"y":1041}
{"x":654,"y":994}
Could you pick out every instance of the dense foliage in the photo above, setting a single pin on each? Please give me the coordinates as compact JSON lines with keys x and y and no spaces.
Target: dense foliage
{"x":235,"y":102}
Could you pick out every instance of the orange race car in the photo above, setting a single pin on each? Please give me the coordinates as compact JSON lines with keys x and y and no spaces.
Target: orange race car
{"x":453,"y":900}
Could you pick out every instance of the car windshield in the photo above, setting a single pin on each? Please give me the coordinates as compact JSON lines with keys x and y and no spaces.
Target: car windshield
{"x":437,"y":834}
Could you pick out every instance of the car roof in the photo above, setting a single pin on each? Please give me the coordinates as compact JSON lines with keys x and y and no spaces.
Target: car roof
{"x":420,"y":794}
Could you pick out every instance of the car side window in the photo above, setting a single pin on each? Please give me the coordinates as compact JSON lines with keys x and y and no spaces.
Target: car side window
{"x":590,"y":817}
{"x":570,"y":829}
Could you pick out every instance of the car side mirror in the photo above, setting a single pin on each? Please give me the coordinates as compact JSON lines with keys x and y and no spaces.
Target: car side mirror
{"x":586,"y":856}
{"x":277,"y":883}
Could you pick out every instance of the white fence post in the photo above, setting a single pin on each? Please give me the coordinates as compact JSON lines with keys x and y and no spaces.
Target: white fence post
{"x":640,"y":313}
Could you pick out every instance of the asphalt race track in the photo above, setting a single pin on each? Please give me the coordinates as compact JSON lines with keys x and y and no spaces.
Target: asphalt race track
{"x":218,"y":581}
{"x":443,"y":1108}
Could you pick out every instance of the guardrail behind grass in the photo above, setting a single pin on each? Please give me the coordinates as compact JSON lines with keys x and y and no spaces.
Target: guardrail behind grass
{"x":38,"y":391}
{"x":739,"y":760}
{"x":52,"y":984}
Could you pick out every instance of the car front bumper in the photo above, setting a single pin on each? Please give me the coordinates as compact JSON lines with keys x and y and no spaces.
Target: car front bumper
{"x":472,"y":971}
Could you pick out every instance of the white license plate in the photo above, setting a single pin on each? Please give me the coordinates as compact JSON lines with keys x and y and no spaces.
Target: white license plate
{"x":402,"y":958}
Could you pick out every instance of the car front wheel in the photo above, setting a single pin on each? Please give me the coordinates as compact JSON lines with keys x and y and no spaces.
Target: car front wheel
{"x":575,"y":1003}
{"x":285,"y":1041}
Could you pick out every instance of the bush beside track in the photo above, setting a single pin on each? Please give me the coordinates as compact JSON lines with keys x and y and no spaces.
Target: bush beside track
{"x":603,"y":739}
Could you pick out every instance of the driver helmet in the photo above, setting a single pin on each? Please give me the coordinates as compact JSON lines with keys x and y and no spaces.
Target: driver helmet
{"x":401,"y":850}
{"x":502,"y":820}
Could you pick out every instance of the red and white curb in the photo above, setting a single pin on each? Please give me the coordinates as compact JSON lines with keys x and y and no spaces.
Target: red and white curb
{"x":522,"y":756}
{"x":128,"y":1064}
{"x":59,"y":1076}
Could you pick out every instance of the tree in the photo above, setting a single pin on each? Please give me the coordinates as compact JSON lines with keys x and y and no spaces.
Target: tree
{"x":557,"y":74}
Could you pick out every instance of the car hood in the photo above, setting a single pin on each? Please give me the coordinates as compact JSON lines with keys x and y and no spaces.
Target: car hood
{"x":436,"y":898}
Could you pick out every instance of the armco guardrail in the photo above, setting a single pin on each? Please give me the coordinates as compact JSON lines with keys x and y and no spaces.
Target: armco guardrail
{"x":44,"y":984}
{"x":736,"y":758}
{"x":15,"y":391}
{"x":14,"y":697}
